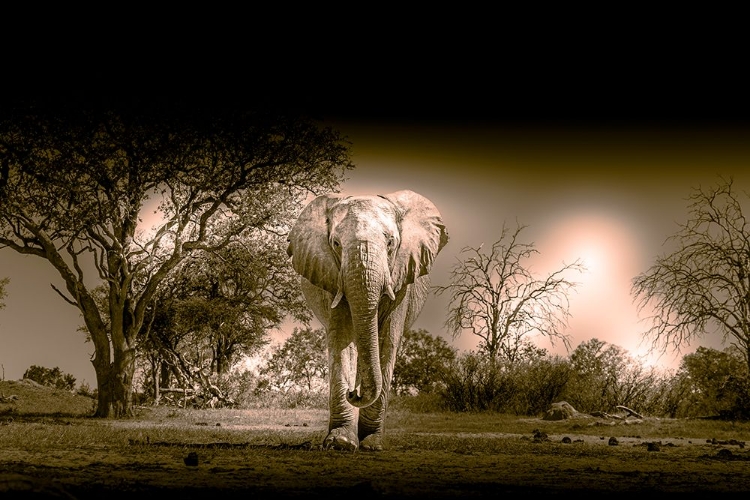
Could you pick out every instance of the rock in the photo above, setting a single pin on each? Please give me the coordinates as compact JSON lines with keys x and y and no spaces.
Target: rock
{"x":540,"y":436}
{"x":613,"y":441}
{"x":191,"y":460}
{"x":724,"y":453}
{"x":560,"y":411}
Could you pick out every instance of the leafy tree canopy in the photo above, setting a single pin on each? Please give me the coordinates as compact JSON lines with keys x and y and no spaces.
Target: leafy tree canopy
{"x":301,"y":362}
{"x":78,"y":179}
{"x":422,"y":362}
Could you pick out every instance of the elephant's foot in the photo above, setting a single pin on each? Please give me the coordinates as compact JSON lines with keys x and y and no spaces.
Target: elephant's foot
{"x":373,"y":442}
{"x":341,"y":438}
{"x":370,"y":432}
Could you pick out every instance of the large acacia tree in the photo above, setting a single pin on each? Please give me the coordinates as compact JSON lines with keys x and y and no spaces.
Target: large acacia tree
{"x":494,"y":295}
{"x":703,"y":285}
{"x":76,"y":180}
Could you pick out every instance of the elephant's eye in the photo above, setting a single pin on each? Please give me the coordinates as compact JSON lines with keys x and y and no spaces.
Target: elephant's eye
{"x":391,"y":243}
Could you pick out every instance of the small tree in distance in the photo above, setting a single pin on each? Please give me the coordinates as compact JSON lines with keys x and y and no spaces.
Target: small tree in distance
{"x":301,"y":362}
{"x":709,"y":372}
{"x":495,"y":296}
{"x":704,"y":285}
{"x":421,"y":363}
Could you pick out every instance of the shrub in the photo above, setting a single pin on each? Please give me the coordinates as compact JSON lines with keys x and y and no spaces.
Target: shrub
{"x":541,"y":383}
{"x":51,"y":377}
{"x":736,"y":396}
{"x":474,"y":383}
{"x":85,"y":390}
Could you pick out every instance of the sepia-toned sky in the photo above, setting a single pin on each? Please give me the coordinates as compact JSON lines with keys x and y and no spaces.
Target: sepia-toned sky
{"x":601,"y":180}
{"x":609,"y":196}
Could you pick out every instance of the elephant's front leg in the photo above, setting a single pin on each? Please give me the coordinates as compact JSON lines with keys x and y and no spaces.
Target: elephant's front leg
{"x":400,"y":315}
{"x":342,"y":367}
{"x":372,"y":418}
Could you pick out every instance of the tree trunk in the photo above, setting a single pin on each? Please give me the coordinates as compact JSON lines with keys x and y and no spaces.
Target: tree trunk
{"x":122,"y":383}
{"x":221,"y":365}
{"x":156,"y":375}
{"x":103,"y":392}
{"x":102,"y":364}
{"x":115,"y":386}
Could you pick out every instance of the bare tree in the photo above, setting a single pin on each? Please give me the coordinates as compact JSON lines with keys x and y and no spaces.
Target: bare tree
{"x":495,"y":296}
{"x":704,"y":285}
{"x":75,"y":180}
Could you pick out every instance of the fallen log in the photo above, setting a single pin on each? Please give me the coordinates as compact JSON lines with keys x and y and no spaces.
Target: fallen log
{"x":177,"y":390}
{"x":8,"y":399}
{"x":629,"y":411}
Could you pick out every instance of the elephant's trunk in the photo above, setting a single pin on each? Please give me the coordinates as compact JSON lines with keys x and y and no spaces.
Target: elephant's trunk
{"x":365,"y":278}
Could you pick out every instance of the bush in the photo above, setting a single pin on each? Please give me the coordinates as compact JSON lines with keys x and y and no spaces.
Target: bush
{"x":527,"y":387}
{"x":473,"y":383}
{"x":421,"y":363}
{"x":53,"y":377}
{"x":541,"y":383}
{"x":736,"y":395}
{"x":265,"y":394}
{"x":85,"y":390}
{"x":266,"y":398}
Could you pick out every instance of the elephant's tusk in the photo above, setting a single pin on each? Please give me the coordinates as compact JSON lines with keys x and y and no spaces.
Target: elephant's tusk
{"x":339,"y":291}
{"x":389,"y":291}
{"x":337,"y":298}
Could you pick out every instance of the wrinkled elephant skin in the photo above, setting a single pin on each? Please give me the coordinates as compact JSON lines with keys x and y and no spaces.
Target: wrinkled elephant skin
{"x":365,"y":263}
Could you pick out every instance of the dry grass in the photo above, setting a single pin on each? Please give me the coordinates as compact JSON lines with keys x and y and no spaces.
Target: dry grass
{"x":26,"y":397}
{"x":49,"y":438}
{"x":26,"y":400}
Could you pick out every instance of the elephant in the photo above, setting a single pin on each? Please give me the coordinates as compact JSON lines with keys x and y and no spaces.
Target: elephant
{"x":364,"y":263}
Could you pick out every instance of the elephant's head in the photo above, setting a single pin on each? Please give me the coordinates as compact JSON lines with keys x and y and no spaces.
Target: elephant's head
{"x":362,"y":248}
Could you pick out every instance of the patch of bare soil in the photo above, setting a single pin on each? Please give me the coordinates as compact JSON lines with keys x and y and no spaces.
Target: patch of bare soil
{"x":291,"y":464}
{"x":296,"y":467}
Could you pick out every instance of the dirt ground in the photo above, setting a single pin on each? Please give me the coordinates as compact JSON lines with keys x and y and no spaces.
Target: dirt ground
{"x":546,"y":465}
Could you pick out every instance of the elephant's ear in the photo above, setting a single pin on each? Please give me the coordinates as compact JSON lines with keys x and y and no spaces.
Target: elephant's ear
{"x":312,"y":256}
{"x":423,"y":235}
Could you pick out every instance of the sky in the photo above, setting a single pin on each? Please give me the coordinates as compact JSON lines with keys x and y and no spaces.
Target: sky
{"x":595,"y":157}
{"x":608,"y":195}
